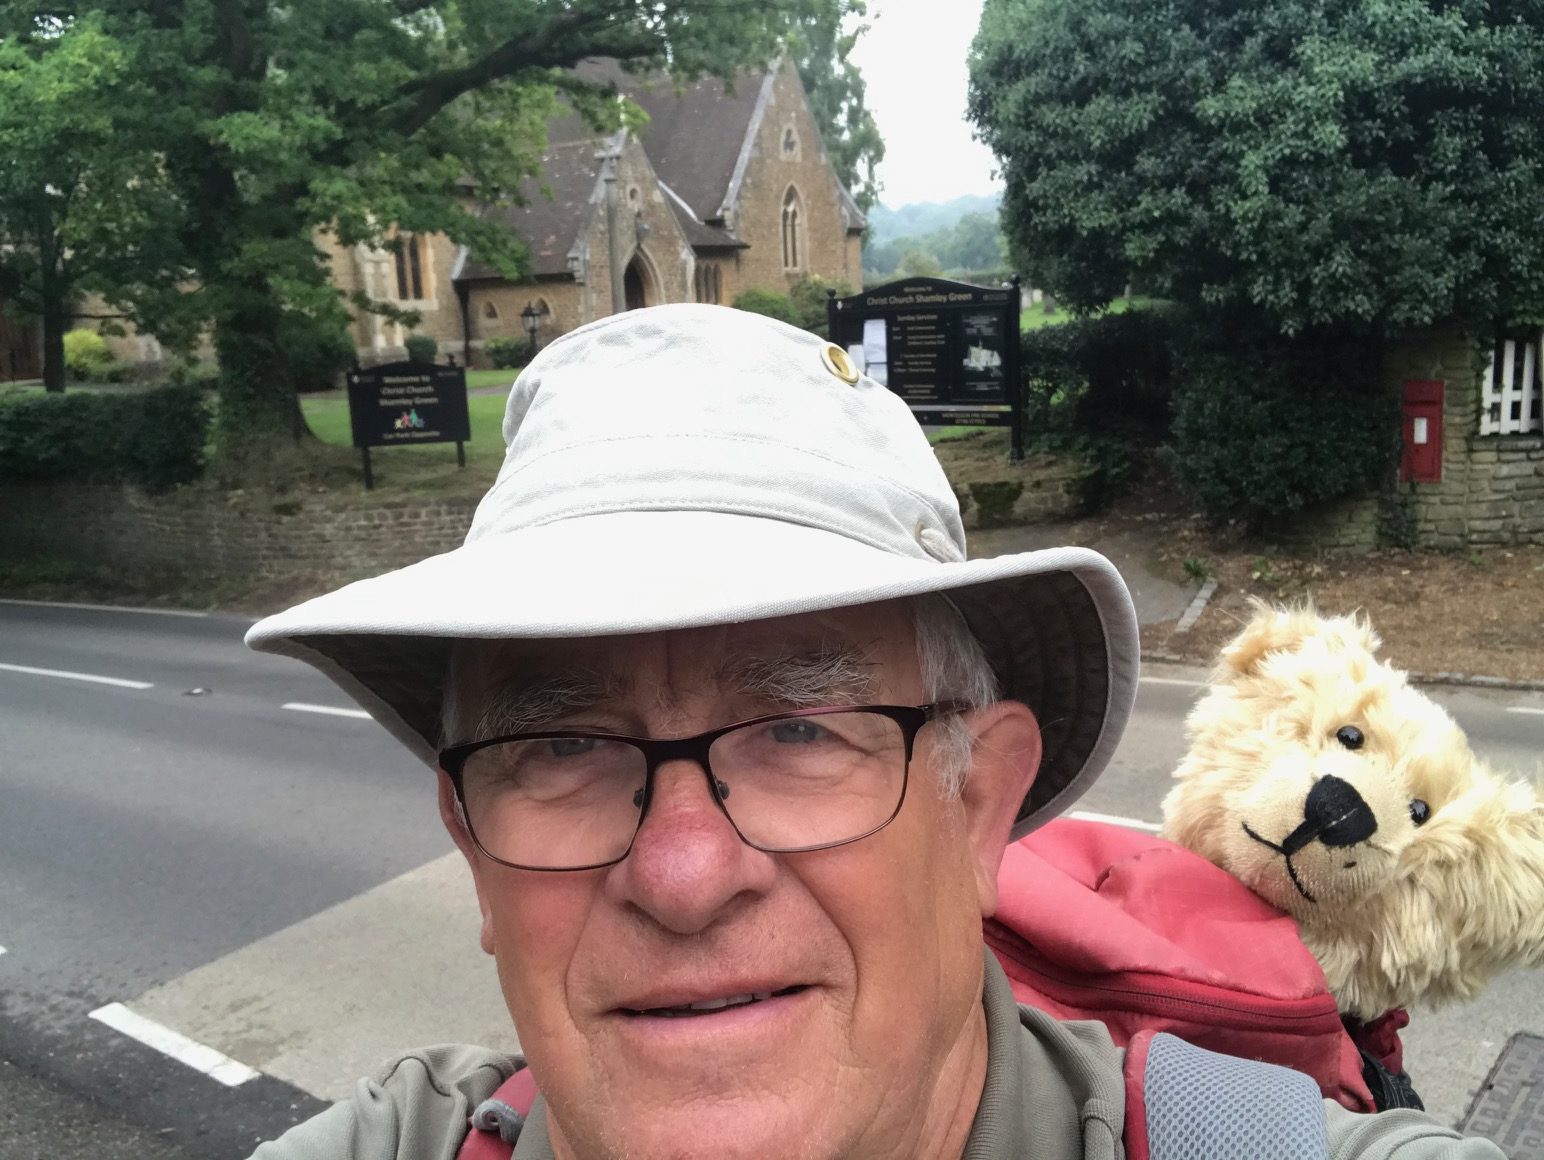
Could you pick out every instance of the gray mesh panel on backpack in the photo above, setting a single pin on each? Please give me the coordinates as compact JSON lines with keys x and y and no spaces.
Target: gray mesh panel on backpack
{"x":1205,"y":1106}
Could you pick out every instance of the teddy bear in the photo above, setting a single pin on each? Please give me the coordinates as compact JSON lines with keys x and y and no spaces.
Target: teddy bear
{"x":1323,"y":780}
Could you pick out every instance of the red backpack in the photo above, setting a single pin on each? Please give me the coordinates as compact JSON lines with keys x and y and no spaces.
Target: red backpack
{"x":1096,"y":921}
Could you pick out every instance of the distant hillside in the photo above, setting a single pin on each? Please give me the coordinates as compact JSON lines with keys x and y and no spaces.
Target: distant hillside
{"x":926,"y":217}
{"x":960,"y":236}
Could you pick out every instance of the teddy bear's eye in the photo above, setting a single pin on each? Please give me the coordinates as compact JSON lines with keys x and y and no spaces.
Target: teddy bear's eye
{"x":1349,"y":736}
{"x":1419,"y":812}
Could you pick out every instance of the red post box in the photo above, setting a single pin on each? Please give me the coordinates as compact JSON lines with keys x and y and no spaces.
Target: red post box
{"x":1421,"y":458}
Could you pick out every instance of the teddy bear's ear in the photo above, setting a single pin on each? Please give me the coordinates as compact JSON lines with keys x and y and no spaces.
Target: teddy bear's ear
{"x":1271,"y":629}
{"x":1274,"y":629}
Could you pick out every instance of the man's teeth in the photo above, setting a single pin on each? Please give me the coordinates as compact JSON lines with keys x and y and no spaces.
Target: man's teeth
{"x":712,"y":1004}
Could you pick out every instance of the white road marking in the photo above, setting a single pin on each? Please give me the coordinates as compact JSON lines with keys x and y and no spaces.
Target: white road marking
{"x":328,"y":710}
{"x":1111,"y":819}
{"x":173,"y":1043}
{"x":117,"y":682}
{"x":1525,"y":709}
{"x":2,"y":950}
{"x":107,"y":608}
{"x":1173,"y":681}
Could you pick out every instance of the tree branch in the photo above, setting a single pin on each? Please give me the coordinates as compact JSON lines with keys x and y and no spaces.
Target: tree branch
{"x":236,"y":37}
{"x":564,"y":41}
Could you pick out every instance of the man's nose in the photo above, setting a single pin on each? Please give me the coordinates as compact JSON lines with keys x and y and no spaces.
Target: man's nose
{"x":688,"y":865}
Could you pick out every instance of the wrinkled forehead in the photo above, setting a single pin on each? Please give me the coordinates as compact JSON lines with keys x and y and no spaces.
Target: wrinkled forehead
{"x":857,"y":653}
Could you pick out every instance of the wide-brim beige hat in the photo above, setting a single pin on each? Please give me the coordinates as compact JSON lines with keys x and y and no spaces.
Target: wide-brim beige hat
{"x":684,"y":466}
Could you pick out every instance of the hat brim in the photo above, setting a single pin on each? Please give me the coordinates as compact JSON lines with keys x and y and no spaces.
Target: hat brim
{"x":1057,"y":625}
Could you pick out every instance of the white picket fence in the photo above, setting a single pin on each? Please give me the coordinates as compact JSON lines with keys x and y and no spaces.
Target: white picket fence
{"x":1513,"y":401}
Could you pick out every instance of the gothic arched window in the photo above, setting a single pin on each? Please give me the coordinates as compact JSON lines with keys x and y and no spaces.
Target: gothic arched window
{"x":792,"y":225}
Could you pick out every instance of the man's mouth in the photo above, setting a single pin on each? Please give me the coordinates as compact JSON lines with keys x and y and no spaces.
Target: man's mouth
{"x":710,"y":1006}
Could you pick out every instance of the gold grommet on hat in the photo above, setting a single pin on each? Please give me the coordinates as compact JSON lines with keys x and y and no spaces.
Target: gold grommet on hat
{"x":840,"y":364}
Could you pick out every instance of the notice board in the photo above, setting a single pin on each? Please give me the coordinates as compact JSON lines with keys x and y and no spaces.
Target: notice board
{"x":949,"y":349}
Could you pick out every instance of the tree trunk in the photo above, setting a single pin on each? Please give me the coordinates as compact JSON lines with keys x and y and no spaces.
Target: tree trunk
{"x":259,"y":417}
{"x":53,"y":285}
{"x":54,"y":319}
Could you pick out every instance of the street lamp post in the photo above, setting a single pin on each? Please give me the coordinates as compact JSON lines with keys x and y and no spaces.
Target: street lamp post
{"x":532,"y":319}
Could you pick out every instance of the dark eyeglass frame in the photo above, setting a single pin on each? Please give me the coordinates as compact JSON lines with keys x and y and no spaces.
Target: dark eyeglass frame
{"x":658,"y":750}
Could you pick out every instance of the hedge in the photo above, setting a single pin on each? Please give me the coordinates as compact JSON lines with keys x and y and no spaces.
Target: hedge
{"x":151,"y":438}
{"x":422,"y":348}
{"x":1266,"y":426}
{"x":1109,"y":374}
{"x":770,"y":303}
{"x":506,"y":353}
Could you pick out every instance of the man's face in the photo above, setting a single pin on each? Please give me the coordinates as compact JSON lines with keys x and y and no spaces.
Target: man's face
{"x":873,"y":1039}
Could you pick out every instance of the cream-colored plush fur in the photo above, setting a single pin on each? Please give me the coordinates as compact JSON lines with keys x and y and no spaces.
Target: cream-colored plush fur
{"x":1402,"y":914}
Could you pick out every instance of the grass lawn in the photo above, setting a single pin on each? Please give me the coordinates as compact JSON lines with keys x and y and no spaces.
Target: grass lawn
{"x":949,"y":434}
{"x":480,"y":380}
{"x":1035,"y":317}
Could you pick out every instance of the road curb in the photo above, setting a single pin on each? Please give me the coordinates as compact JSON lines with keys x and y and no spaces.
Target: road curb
{"x":1468,"y":680}
{"x":1197,"y":606}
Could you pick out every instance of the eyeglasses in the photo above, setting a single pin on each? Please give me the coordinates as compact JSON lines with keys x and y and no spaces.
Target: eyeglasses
{"x":788,"y":783}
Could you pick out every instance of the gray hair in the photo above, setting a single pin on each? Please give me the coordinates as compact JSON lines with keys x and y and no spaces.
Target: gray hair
{"x":950,"y":660}
{"x":954,"y":667}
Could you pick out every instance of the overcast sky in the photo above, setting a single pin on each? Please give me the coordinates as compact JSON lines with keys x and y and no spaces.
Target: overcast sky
{"x":913,"y":63}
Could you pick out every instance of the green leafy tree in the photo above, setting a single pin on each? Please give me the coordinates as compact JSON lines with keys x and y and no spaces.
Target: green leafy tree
{"x":275,"y":122}
{"x":821,"y":44}
{"x":84,"y":202}
{"x":771,"y":303}
{"x":1371,"y":164}
{"x":919,"y":263}
{"x":975,"y":243}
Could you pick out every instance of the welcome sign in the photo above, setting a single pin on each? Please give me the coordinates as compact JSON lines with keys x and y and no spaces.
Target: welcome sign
{"x":408,"y":403}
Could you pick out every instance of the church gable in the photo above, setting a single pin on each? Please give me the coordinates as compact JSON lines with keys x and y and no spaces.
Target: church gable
{"x":727,"y":188}
{"x":789,"y":207}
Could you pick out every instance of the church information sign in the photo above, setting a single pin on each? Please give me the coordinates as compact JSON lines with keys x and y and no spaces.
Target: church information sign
{"x":408,"y":403}
{"x":950,"y":349}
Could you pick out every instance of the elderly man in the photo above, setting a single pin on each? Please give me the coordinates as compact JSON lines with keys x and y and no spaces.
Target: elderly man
{"x":733,"y":738}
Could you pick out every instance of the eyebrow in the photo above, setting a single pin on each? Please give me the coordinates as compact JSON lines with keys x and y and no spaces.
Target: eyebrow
{"x":801,"y":680}
{"x":826,"y":675}
{"x":518,"y":707}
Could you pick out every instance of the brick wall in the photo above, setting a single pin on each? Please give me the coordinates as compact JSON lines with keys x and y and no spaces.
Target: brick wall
{"x":199,"y":534}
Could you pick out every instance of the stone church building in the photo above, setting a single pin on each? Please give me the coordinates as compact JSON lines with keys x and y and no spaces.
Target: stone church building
{"x":722,"y":191}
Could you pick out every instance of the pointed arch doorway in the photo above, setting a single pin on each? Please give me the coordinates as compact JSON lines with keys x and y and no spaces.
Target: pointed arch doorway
{"x":638,"y":286}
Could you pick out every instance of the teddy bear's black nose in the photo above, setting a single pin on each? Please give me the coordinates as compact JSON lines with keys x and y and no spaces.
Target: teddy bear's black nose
{"x":1337,"y":815}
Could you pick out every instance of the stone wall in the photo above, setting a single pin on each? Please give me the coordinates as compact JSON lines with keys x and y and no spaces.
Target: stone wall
{"x":361,"y":269}
{"x":194,"y":533}
{"x":1344,"y":526}
{"x":663,"y":254}
{"x":1492,"y":486}
{"x":562,"y":299}
{"x":198,"y":534}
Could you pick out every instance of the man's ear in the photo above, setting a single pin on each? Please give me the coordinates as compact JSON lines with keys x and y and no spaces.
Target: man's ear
{"x":1004,"y":757}
{"x":450,"y":814}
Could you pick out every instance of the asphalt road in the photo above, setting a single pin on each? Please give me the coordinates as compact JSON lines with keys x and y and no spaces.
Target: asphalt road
{"x":270,"y":883}
{"x":147,"y":831}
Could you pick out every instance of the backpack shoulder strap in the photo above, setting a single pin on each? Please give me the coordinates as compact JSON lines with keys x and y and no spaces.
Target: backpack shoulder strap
{"x":1183,"y":1101}
{"x":496,"y":1122}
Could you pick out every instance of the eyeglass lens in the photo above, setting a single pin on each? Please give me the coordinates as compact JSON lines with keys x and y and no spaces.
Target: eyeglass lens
{"x":786,"y":783}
